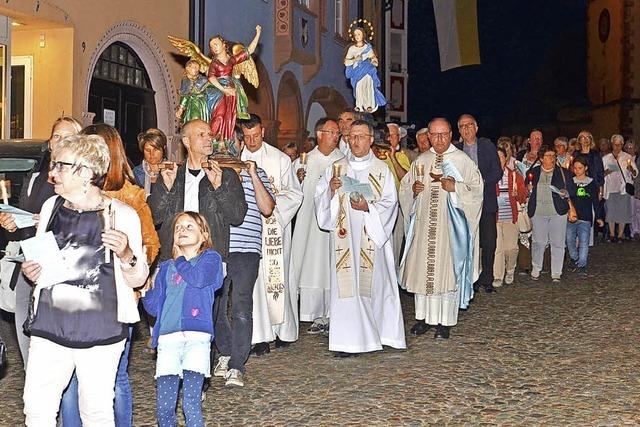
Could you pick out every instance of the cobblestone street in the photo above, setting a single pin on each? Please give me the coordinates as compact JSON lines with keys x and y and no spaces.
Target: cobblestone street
{"x":532,"y":354}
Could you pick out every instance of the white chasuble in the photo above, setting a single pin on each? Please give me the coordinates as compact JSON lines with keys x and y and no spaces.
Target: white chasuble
{"x":310,"y":264}
{"x":275,"y":301}
{"x":428,"y":270}
{"x":365,"y":307}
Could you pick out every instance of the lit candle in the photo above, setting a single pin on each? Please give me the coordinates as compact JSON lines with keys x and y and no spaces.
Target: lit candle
{"x":303,"y":158}
{"x":337,"y":170}
{"x":5,"y":193}
{"x":530,"y":177}
{"x":420,"y":171}
{"x":628,"y":162}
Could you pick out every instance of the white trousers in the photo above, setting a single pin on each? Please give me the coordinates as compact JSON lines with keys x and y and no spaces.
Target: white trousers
{"x":49,"y":370}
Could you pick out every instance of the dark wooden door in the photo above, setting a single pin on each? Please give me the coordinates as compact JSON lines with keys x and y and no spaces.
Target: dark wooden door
{"x":135,"y":111}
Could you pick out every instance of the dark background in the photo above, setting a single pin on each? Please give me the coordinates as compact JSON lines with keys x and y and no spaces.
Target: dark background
{"x":533,"y":55}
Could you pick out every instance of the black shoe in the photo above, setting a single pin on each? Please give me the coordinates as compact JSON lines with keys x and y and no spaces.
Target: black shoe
{"x":419,"y":328}
{"x":282,"y":344}
{"x":343,"y":355}
{"x":489,"y":289}
{"x":260,"y":349}
{"x":442,"y":332}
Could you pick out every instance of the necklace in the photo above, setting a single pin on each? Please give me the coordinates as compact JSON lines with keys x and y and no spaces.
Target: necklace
{"x":98,"y":207}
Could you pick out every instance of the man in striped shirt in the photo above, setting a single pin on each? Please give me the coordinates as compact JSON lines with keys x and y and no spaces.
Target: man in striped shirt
{"x":233,"y":334}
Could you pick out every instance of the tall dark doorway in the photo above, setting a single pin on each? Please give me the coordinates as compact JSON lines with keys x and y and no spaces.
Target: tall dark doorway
{"x":121,"y":95}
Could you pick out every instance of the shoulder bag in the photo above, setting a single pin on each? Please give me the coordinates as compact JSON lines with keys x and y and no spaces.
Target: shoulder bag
{"x":523,"y":222}
{"x":628,"y":187}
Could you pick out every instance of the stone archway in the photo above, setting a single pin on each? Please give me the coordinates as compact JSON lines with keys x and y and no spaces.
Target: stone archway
{"x":330,"y":99}
{"x":138,"y":38}
{"x":261,"y":102}
{"x":290,"y":118}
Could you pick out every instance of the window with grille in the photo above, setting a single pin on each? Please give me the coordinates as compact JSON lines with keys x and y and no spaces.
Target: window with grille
{"x":120,"y":64}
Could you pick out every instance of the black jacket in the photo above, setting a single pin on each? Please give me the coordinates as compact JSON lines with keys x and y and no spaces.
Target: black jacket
{"x":561,"y":205}
{"x":490,"y":170}
{"x":222,"y":208}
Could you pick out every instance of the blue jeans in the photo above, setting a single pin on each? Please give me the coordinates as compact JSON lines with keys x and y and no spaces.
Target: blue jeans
{"x":123,"y":406}
{"x":578,"y":251}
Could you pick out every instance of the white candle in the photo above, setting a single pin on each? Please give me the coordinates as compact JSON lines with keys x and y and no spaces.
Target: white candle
{"x":5,"y":194}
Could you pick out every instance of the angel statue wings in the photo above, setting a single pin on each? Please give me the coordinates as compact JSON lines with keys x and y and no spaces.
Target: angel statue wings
{"x":226,"y":100}
{"x":360,"y":68}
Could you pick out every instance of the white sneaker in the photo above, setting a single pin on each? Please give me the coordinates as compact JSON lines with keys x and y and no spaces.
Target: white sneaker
{"x":222,"y":366}
{"x":508,"y":278}
{"x":497,"y":283}
{"x":234,"y":377}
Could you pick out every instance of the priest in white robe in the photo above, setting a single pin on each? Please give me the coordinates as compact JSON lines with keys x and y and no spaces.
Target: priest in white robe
{"x":441,"y":198}
{"x":310,"y":267}
{"x":360,"y":212}
{"x":275,"y":301}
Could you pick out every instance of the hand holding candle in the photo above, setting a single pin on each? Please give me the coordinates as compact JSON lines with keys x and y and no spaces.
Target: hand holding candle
{"x":337,"y":170}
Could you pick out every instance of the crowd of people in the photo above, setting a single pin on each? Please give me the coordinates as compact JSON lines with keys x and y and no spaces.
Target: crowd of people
{"x":330,"y":232}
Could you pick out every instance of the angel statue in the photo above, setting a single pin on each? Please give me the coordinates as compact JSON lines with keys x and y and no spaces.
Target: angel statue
{"x":226,"y":99}
{"x":193,"y":96}
{"x":360,"y":68}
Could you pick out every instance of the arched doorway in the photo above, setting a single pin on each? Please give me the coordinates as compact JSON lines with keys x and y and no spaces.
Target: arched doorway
{"x":153,"y":56}
{"x":330,"y":99}
{"x":120,"y":94}
{"x":289,"y":110}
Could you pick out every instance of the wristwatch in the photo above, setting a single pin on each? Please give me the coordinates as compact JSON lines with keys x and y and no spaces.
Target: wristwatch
{"x":133,"y":262}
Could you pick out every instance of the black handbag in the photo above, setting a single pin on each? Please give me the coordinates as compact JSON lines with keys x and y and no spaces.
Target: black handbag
{"x":628,"y":187}
{"x":31,"y":315}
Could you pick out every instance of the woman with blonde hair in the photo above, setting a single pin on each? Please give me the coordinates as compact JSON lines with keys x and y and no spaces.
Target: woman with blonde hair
{"x":81,"y":324}
{"x":117,"y":184}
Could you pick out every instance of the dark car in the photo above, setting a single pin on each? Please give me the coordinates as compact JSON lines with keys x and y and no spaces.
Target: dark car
{"x":17,"y":158}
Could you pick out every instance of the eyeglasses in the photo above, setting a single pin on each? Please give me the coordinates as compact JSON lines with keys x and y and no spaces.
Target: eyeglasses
{"x":361,"y":137}
{"x":60,"y":166}
{"x":442,"y":135}
{"x":330,"y":132}
{"x":549,"y":155}
{"x":466,"y":125}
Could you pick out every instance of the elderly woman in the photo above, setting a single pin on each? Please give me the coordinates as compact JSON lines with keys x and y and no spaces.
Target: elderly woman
{"x":510,"y":191}
{"x":81,"y":323}
{"x":619,"y":170}
{"x":153,"y":144}
{"x":118,"y":184}
{"x":36,"y":189}
{"x":548,"y":210}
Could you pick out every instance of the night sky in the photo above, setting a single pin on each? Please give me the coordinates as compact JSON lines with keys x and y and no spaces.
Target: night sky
{"x":533,"y":55}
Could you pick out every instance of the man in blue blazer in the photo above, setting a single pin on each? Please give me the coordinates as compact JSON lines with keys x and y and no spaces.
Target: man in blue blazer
{"x":483,"y":152}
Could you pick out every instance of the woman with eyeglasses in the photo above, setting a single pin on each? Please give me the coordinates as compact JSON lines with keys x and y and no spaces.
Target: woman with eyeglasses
{"x":81,"y":324}
{"x":550,"y":186}
{"x":118,"y":184}
{"x":35,"y":190}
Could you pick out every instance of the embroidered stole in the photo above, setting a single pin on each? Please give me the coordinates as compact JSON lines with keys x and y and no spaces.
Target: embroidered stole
{"x":342,"y":237}
{"x":273,"y":249}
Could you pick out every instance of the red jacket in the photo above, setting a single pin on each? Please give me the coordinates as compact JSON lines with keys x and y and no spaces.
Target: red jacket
{"x":521,"y":192}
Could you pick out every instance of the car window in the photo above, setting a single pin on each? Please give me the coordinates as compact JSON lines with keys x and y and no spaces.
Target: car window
{"x":16,"y":165}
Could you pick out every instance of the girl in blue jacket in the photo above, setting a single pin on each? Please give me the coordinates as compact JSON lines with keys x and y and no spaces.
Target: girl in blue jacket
{"x":181,"y":301}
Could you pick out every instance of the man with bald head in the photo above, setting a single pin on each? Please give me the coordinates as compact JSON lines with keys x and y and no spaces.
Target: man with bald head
{"x":213,"y":191}
{"x":441,"y":195}
{"x":484,"y":154}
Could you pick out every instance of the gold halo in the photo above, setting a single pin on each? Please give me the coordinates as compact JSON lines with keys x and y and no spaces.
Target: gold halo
{"x":360,"y":23}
